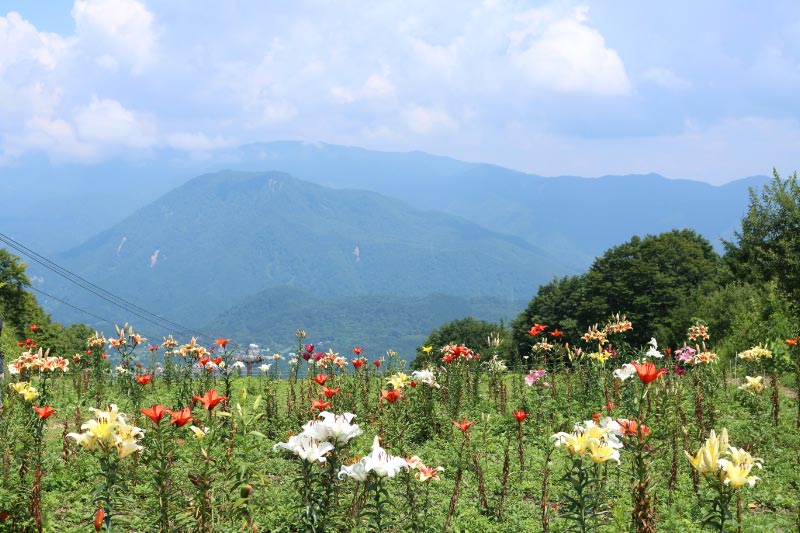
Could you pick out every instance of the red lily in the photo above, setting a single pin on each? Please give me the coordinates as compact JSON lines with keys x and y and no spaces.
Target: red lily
{"x":152,"y":347}
{"x":464,"y":425}
{"x":181,"y":418}
{"x":155,"y":413}
{"x":44,"y":412}
{"x":536,"y":330}
{"x":630,"y":428}
{"x":320,"y":405}
{"x":222,"y":343}
{"x":34,"y":328}
{"x":321,"y":378}
{"x":793,"y":342}
{"x":210,"y":399}
{"x":647,"y":371}
{"x":520,"y":415}
{"x":556,"y":333}
{"x":391,"y":396}
{"x":376,"y":363}
{"x":309,"y":348}
{"x":144,"y":379}
{"x":329,"y":392}
{"x":357,"y":350}
{"x":98,"y":519}
{"x":358,"y":363}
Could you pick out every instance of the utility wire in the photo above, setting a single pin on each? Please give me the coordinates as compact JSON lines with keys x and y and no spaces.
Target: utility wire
{"x":98,"y":291}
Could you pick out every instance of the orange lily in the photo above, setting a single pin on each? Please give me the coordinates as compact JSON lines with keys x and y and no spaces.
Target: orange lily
{"x":210,"y":399}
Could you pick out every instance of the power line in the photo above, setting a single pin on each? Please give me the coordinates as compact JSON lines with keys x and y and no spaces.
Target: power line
{"x":98,"y":291}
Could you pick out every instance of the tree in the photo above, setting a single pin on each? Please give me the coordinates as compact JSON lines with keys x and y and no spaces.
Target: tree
{"x":14,"y":300}
{"x":768,"y":245}
{"x":651,"y":280}
{"x":469,"y":331}
{"x":556,"y":305}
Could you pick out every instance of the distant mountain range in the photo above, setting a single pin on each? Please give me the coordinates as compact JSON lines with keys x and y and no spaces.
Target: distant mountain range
{"x":348,"y":229}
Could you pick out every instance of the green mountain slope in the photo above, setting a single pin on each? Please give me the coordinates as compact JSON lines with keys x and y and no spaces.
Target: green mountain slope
{"x":223,"y":237}
{"x":373,"y":322}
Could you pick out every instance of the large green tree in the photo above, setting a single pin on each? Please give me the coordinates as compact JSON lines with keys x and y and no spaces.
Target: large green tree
{"x":767,"y":247}
{"x":653,"y":280}
{"x":556,"y":305}
{"x":469,"y":331}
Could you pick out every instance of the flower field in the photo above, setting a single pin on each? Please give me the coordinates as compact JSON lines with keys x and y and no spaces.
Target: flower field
{"x":130,"y":435}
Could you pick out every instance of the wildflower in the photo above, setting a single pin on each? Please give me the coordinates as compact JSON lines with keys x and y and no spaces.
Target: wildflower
{"x":398,"y":381}
{"x":144,"y":379}
{"x":181,"y":417}
{"x":44,"y":412}
{"x":753,"y":385}
{"x":542,"y":345}
{"x":647,"y":371}
{"x":320,"y":405}
{"x":630,"y":428}
{"x":653,"y":350}
{"x":357,"y":471}
{"x":599,"y":440}
{"x":99,"y":516}
{"x":328,"y":392}
{"x":391,"y":396}
{"x":306,"y":448}
{"x":755,"y":353}
{"x":534,"y":376}
{"x":320,"y":378}
{"x":595,"y":335}
{"x":381,"y":463}
{"x":617,"y":324}
{"x":427,"y":349}
{"x":456,"y":352}
{"x":520,"y":415}
{"x":464,"y":425}
{"x":333,"y":428}
{"x":426,"y":473}
{"x":199,"y":433}
{"x":626,"y":371}
{"x":706,"y":460}
{"x":210,"y":399}
{"x":737,"y":469}
{"x":155,"y":413}
{"x":426,"y":377}
{"x":536,"y":330}
{"x":698,"y":331}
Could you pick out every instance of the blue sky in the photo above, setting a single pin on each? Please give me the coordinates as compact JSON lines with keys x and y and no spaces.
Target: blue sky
{"x":704,"y":90}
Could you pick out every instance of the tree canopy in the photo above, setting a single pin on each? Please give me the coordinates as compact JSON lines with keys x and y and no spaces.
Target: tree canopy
{"x":768,"y":245}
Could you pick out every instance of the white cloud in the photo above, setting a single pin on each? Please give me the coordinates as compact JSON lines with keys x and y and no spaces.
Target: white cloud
{"x":378,"y":86}
{"x":107,"y":122}
{"x":23,"y":46}
{"x":56,"y":137}
{"x":426,"y":120}
{"x":196,"y":142}
{"x":666,"y":78}
{"x":121,"y":30}
{"x":566,"y":55}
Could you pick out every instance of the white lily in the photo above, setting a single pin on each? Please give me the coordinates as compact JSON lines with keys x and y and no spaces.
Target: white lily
{"x":626,"y":371}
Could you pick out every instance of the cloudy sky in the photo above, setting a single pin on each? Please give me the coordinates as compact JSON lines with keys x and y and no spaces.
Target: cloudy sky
{"x":705,"y":90}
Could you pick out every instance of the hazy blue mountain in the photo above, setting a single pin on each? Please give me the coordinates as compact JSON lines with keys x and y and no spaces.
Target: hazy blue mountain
{"x":221,"y":238}
{"x":373,"y":322}
{"x":573,"y":218}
